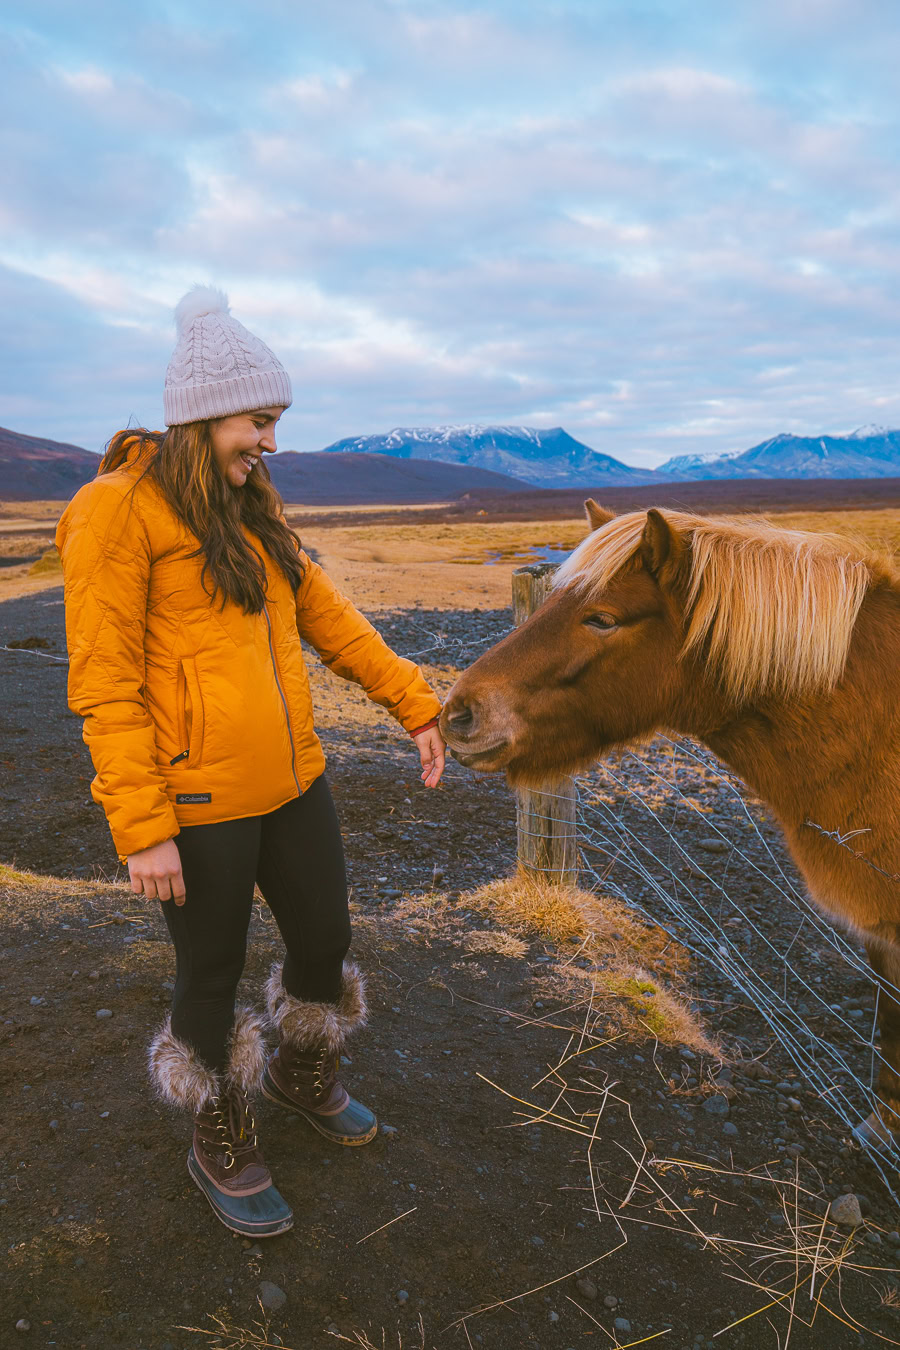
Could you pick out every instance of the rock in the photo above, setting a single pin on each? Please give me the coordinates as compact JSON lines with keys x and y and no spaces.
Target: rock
{"x":402,"y":1296}
{"x":845,"y":1211}
{"x":104,"y":1115}
{"x":23,"y":1324}
{"x":714,"y":845}
{"x":255,"y":1250}
{"x":554,"y":1316}
{"x":610,"y":1301}
{"x":622,"y":1324}
{"x":54,"y":1124}
{"x":537,"y":1241}
{"x":37,"y":1002}
{"x":271,"y":1297}
{"x":794,"y":1104}
{"x":716,"y":1105}
{"x":103,"y":1013}
{"x":586,"y":1287}
{"x":730,"y":1129}
{"x":389,"y":1130}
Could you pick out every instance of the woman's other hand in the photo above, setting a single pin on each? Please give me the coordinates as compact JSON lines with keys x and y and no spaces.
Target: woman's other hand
{"x":431,"y":747}
{"x":156,"y":872}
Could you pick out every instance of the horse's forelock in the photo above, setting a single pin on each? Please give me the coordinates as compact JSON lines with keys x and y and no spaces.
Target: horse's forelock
{"x":774,"y":609}
{"x":602,"y":554}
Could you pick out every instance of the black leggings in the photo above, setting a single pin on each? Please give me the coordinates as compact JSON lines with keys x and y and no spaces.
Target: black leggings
{"x":296,"y":857}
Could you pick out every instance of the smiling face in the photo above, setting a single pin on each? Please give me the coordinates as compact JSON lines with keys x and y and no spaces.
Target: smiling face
{"x":239,"y":441}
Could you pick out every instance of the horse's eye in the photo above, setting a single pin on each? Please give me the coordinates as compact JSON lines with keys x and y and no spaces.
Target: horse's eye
{"x":602,"y":621}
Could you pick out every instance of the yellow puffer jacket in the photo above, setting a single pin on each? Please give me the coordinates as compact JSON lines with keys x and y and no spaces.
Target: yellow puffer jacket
{"x":195,"y":713}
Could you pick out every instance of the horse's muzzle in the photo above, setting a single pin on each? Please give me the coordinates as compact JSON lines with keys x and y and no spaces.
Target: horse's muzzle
{"x":470,"y":737}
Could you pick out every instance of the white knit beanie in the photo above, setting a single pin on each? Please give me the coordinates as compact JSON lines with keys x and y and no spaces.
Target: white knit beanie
{"x":218,"y":367}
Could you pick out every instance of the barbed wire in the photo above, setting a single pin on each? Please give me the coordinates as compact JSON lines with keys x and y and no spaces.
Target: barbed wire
{"x":631,"y":813}
{"x":34,"y":651}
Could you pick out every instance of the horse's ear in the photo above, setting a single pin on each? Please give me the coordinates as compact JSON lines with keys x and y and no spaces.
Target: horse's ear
{"x":659,"y":542}
{"x":597,"y":515}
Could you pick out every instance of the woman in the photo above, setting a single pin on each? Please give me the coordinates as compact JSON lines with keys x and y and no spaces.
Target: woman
{"x":186,"y":599}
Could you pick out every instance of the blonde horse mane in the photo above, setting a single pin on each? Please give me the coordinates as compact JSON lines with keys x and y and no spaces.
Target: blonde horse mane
{"x":775,"y":608}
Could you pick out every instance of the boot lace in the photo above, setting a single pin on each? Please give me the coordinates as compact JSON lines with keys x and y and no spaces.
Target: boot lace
{"x":324,"y":1070}
{"x":235,"y":1126}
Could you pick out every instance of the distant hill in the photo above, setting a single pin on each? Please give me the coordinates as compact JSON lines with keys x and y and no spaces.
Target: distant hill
{"x":34,"y":469}
{"x":546,"y":459}
{"x":321,"y":479}
{"x":870,"y":452}
{"x":429,"y":464}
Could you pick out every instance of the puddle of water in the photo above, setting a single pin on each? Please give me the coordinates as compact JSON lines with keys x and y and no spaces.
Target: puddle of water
{"x":552,"y":553}
{"x":521,"y":557}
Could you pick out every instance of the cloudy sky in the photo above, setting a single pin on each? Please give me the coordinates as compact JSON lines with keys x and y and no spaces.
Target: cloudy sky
{"x":666,"y":225}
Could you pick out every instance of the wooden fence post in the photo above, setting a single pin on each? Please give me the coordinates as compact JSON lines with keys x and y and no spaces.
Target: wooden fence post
{"x":546,"y":818}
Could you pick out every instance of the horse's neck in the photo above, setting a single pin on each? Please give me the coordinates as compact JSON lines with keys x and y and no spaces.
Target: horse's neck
{"x":806,"y":755}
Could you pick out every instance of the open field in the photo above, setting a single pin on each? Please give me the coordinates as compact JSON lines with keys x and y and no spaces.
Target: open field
{"x":508,"y":1218}
{"x":406,"y":557}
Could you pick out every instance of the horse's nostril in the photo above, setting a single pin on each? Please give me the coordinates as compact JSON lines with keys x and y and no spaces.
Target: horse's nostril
{"x":461,"y":718}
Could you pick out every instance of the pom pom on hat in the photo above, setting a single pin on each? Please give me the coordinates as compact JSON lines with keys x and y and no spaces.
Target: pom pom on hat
{"x":218,"y":367}
{"x":199,"y":300}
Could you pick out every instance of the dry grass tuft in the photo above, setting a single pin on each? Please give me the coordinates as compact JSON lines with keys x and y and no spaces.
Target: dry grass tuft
{"x":656,"y":1008}
{"x":497,"y":942}
{"x":226,"y":1335}
{"x":619,"y":948}
{"x":56,"y":1246}
{"x":362,"y":1340}
{"x":48,"y":564}
{"x":536,"y":908}
{"x":17,"y":879}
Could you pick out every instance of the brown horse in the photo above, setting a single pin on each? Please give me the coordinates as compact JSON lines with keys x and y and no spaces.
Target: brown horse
{"x":779,"y":650}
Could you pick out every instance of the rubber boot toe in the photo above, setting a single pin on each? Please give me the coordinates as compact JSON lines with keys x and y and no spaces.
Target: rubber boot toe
{"x":261,"y":1213}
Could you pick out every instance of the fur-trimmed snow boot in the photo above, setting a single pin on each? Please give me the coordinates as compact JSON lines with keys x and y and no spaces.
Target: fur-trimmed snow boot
{"x":224,"y":1159}
{"x":302,"y":1075}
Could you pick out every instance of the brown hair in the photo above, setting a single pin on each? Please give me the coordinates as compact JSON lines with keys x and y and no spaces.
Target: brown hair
{"x":180,"y":461}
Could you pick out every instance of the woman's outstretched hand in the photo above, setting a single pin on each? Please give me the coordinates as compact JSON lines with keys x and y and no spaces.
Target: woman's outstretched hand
{"x":432,"y":748}
{"x":156,"y":872}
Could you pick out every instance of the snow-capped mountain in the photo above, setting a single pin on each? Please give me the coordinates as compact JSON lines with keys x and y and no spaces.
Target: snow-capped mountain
{"x":548,"y":459}
{"x":868,"y":452}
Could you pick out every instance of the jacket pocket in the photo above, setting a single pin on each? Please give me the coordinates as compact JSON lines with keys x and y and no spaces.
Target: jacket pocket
{"x":191,"y":712}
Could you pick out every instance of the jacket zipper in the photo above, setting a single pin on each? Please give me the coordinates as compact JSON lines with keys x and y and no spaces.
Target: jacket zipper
{"x":283,"y":700}
{"x":182,"y":718}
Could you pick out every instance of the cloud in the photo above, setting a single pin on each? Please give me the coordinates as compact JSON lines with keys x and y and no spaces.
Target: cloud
{"x":660,"y":230}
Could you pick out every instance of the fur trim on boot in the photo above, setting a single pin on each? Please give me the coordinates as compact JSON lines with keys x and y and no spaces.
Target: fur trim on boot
{"x":306,"y":1025}
{"x":247,"y":1053}
{"x":182,"y":1079}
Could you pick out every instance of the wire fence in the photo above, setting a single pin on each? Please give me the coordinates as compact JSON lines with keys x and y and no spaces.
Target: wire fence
{"x":742,"y":911}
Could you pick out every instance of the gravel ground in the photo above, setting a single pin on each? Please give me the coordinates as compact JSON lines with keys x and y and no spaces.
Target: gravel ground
{"x":108,"y":1245}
